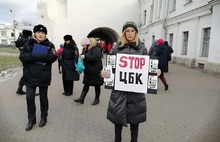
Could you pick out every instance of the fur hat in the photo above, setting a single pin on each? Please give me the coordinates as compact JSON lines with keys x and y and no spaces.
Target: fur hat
{"x":130,"y":24}
{"x":160,"y":41}
{"x":27,"y":33}
{"x":85,"y":41}
{"x":67,"y":37}
{"x":40,"y":28}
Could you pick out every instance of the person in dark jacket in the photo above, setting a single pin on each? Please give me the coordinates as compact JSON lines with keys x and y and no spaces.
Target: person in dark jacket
{"x":161,"y":52}
{"x":37,"y":73}
{"x":152,"y":50}
{"x":169,"y":52}
{"x":91,"y":56}
{"x":19,"y":43}
{"x":70,"y":56}
{"x":127,"y":107}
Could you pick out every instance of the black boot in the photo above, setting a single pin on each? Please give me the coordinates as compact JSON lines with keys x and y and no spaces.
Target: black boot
{"x":43,"y":122}
{"x":166,"y":87}
{"x":96,"y":101}
{"x":30,"y":124}
{"x":20,"y":91}
{"x":81,"y":98}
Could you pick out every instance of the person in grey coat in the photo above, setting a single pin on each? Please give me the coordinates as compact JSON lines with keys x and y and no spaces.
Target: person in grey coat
{"x":127,"y":107}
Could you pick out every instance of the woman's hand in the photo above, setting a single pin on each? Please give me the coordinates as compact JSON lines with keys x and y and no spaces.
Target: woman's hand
{"x":105,"y":74}
{"x":82,"y":56}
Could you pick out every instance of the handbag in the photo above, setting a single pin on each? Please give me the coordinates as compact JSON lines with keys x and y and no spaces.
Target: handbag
{"x":72,"y":75}
{"x":80,"y":66}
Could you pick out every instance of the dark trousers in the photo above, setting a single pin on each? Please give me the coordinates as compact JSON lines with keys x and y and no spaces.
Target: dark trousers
{"x":133,"y":129}
{"x":97,"y":89}
{"x":30,"y":98}
{"x":67,"y":84}
{"x":21,"y":81}
{"x":59,"y":64}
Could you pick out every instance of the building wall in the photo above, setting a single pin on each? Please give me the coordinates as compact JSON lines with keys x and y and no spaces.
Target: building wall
{"x":79,"y":18}
{"x":192,"y":17}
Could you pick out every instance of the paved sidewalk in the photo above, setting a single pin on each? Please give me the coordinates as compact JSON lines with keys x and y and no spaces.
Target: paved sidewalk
{"x":188,"y":112}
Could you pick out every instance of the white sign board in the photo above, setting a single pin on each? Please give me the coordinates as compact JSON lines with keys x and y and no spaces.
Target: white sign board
{"x":131,"y":73}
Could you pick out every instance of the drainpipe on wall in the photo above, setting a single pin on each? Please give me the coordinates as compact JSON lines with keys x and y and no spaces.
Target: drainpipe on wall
{"x":164,"y":21}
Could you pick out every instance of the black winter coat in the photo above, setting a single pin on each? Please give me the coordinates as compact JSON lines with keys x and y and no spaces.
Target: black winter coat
{"x":34,"y":74}
{"x":93,"y":67}
{"x":70,"y":56}
{"x":162,"y":52}
{"x":127,"y":107}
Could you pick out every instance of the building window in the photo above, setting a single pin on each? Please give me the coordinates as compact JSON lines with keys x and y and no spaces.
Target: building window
{"x":2,"y":33}
{"x":171,"y":40}
{"x":206,"y":40}
{"x":4,"y":42}
{"x":151,"y":13}
{"x":12,"y":34}
{"x":185,"y":42}
{"x":145,"y":17}
{"x":172,"y":5}
{"x":159,"y":8}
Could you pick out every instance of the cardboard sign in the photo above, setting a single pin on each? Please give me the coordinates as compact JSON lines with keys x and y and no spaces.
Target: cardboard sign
{"x":131,"y":73}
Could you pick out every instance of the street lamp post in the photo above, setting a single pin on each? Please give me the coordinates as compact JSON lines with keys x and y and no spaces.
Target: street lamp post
{"x":13,"y":24}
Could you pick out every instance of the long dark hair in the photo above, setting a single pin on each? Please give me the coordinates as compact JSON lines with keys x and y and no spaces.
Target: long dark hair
{"x":71,"y":44}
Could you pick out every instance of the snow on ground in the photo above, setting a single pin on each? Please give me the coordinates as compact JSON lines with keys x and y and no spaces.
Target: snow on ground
{"x":10,"y":73}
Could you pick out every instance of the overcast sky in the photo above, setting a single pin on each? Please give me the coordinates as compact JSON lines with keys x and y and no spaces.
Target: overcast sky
{"x":23,"y":10}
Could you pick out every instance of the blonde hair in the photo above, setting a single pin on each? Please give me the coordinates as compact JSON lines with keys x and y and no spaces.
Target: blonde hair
{"x":93,"y":43}
{"x":34,"y":37}
{"x":122,"y":39}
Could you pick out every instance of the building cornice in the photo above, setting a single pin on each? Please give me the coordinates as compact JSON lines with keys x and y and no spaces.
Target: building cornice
{"x":214,"y":2}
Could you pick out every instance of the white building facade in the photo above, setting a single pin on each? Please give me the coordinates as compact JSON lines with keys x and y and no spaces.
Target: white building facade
{"x":85,"y":18}
{"x":7,"y":34}
{"x":192,"y":28}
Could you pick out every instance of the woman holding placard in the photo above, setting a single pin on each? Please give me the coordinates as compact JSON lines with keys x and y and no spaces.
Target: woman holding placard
{"x":127,"y":107}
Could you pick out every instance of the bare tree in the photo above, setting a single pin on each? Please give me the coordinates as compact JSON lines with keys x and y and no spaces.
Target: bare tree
{"x":26,"y":23}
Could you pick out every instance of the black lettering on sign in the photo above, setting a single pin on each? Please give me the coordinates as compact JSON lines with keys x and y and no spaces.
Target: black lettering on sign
{"x":138,"y":79}
{"x":123,"y":78}
{"x":131,"y":78}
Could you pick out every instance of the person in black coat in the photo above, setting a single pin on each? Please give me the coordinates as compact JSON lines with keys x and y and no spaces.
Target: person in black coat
{"x":169,"y":52}
{"x":91,"y":56}
{"x":19,"y":43}
{"x":162,"y":52}
{"x":127,"y":107}
{"x":70,"y":56}
{"x":37,"y":68}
